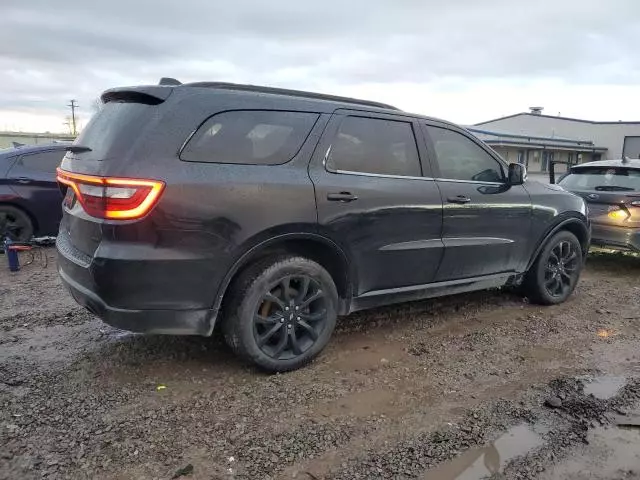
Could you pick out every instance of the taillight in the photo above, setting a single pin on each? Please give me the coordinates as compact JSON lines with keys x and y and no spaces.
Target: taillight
{"x":113,"y":198}
{"x":618,"y":212}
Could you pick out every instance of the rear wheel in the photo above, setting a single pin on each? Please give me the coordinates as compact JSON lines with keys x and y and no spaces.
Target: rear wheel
{"x":281,"y":313}
{"x":14,"y":224}
{"x":555,"y":273}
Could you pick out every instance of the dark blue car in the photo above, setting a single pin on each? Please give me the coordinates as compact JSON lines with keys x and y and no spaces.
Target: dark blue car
{"x":30,"y":199}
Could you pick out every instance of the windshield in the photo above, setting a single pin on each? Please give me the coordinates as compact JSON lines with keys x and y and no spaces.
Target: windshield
{"x":603,"y":179}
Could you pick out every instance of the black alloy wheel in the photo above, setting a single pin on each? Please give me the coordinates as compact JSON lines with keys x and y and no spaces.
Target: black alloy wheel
{"x":290,"y":317}
{"x":556,"y":270}
{"x":281,"y":312}
{"x":562,"y":268}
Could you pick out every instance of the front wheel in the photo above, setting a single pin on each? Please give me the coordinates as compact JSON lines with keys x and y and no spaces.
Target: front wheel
{"x":281,"y":313}
{"x":555,"y":273}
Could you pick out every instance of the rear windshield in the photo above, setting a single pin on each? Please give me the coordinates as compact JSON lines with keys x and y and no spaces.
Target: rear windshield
{"x":603,"y":179}
{"x":115,"y":126}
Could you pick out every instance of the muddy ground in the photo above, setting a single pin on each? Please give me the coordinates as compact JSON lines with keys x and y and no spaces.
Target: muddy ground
{"x":463,"y":387}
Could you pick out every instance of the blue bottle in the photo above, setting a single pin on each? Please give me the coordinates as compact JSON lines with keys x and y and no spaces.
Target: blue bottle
{"x":12,"y":255}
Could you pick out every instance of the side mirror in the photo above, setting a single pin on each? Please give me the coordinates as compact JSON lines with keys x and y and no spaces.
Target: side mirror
{"x":517,"y":174}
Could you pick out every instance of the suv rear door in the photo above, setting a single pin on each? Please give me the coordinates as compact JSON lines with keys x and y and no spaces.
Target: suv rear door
{"x":374,"y":200}
{"x":33,"y":178}
{"x":486,"y":221}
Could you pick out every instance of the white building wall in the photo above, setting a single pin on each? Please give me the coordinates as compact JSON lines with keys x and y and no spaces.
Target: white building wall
{"x":608,"y":135}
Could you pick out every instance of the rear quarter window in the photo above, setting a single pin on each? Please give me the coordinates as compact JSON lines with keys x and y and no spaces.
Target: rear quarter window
{"x":253,"y":137}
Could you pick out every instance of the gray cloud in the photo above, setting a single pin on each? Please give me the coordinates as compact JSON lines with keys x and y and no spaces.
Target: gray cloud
{"x":53,"y":51}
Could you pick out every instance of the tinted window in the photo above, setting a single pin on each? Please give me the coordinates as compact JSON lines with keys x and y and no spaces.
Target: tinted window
{"x":45,"y":162}
{"x":372,"y":145}
{"x":459,"y":158}
{"x":602,"y":179}
{"x":250,"y":137}
{"x":114,"y":129}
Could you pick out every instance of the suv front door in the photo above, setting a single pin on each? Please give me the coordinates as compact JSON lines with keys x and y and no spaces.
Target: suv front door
{"x":374,"y":201}
{"x":486,"y":221}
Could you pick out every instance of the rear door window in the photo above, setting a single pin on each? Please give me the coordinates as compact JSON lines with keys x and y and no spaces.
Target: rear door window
{"x":375,"y":145}
{"x":253,"y":137}
{"x":602,"y":179}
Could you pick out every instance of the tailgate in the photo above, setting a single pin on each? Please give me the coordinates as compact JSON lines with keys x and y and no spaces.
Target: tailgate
{"x":104,"y":148}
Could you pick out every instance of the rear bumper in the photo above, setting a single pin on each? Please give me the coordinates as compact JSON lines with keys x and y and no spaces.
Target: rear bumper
{"x":616,"y":237}
{"x":172,"y":322}
{"x":144,"y":295}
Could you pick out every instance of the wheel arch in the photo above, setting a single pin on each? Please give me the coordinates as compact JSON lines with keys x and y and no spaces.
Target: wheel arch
{"x":314,"y":246}
{"x":574,"y":224}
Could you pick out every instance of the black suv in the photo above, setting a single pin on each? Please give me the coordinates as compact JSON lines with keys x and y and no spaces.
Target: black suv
{"x":271,"y":212}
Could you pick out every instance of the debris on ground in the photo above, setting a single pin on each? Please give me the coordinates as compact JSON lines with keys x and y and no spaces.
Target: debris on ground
{"x":183,"y":472}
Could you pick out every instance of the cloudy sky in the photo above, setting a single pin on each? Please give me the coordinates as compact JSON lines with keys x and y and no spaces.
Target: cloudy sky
{"x":462,"y":60}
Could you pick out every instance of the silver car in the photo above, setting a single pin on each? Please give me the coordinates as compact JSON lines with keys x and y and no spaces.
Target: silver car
{"x":611,"y":189}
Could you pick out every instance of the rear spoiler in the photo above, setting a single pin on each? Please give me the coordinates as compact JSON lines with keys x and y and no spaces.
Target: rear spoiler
{"x":552,"y":169}
{"x":148,"y":95}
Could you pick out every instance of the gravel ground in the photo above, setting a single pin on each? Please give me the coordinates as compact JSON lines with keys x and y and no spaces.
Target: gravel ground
{"x":430,"y":389}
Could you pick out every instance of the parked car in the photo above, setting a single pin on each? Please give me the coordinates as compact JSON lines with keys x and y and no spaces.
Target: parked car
{"x":611,"y":189}
{"x":29,"y":194}
{"x":271,"y":212}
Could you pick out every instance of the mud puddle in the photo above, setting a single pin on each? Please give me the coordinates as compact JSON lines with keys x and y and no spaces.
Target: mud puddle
{"x":594,"y":420}
{"x":603,"y":387}
{"x":610,"y":453}
{"x":480,"y":462}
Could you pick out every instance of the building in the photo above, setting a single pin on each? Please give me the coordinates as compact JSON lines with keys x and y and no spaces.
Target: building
{"x":535,"y":139}
{"x":7,"y":139}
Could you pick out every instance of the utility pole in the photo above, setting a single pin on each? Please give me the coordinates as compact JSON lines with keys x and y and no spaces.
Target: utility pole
{"x":73,"y":106}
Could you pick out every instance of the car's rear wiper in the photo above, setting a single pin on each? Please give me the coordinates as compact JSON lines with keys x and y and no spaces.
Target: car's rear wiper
{"x":612,"y":188}
{"x":77,"y":149}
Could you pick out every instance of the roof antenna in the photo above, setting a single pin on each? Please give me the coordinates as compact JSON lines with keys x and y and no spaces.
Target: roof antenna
{"x":168,"y":81}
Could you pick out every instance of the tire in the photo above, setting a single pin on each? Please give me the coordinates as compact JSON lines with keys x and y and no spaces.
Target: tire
{"x":272,"y":319}
{"x":15,"y":224}
{"x":555,"y":273}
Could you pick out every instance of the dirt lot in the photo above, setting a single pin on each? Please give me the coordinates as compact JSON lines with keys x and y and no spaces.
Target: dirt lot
{"x":451,"y":388}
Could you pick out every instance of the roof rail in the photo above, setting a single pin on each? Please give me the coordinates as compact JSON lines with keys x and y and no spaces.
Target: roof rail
{"x":292,"y":93}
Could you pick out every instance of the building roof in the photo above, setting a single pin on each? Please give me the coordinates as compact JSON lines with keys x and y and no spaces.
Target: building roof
{"x":593,"y":122}
{"x":497,"y":139}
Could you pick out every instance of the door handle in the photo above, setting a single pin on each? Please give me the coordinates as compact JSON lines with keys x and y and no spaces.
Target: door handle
{"x":23,"y":180}
{"x":341,"y":197}
{"x":459,"y":199}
